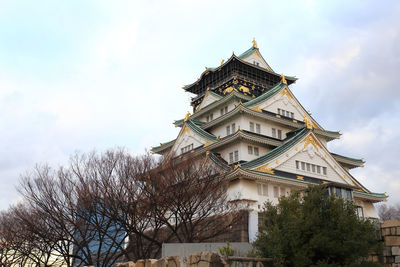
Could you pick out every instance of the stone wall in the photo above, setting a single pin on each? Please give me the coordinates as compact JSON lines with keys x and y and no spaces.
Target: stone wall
{"x":390,"y":231}
{"x":204,"y":259}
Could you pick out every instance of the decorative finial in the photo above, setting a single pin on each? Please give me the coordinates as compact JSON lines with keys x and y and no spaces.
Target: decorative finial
{"x":218,"y":138}
{"x":308,"y":123}
{"x":207,"y":152}
{"x":239,"y":129}
{"x":255,"y":43}
{"x":283,"y":80}
{"x":222,"y":61}
{"x":206,"y":68}
{"x":236,"y":166}
{"x":187,"y":116}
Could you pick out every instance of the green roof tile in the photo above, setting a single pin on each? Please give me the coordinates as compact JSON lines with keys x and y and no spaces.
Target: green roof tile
{"x":287,"y":144}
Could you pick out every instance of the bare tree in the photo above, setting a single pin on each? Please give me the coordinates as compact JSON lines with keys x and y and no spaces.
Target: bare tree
{"x":85,"y":212}
{"x":389,"y":212}
{"x":190,"y":196}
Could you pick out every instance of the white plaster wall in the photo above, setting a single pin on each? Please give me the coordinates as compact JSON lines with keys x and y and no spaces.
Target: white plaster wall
{"x":283,"y":102}
{"x":290,"y":166}
{"x":208,"y":99}
{"x":254,"y":57}
{"x":244,"y":120}
{"x":247,"y":189}
{"x":242,"y":189}
{"x":224,"y":152}
{"x":187,"y":139}
{"x":368,"y":208}
{"x":220,"y":130}
{"x":216,"y":111}
{"x":242,"y":147}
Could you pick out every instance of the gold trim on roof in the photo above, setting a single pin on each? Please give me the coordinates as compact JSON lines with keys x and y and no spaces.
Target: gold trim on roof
{"x":265,"y":169}
{"x":310,"y":139}
{"x":254,"y":43}
{"x":283,"y":79}
{"x":244,"y":89}
{"x":286,"y":92}
{"x":187,"y":116}
{"x":308,"y":123}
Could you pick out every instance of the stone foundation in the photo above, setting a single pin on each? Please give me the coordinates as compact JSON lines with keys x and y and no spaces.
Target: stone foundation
{"x":390,"y":231}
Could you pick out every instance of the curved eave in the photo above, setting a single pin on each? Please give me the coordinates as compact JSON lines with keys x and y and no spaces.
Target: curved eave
{"x":163,"y":147}
{"x":208,"y":71}
{"x":372,"y":197}
{"x":287,"y":144}
{"x":200,"y":131}
{"x":254,"y":175}
{"x":266,"y":95}
{"x":213,"y":157}
{"x":179,"y":123}
{"x":348,"y":162}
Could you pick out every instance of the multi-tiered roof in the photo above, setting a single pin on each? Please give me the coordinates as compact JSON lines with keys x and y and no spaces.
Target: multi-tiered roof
{"x":247,"y":120}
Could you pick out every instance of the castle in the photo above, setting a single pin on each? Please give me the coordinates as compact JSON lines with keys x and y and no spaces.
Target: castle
{"x":247,"y":120}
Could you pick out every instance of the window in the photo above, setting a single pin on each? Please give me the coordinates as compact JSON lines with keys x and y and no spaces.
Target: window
{"x":250,"y":150}
{"x":258,"y":128}
{"x":348,"y":194}
{"x":236,"y":155}
{"x":273,"y":132}
{"x":265,"y":190}
{"x":186,"y":148}
{"x":339,"y":191}
{"x":209,"y":117}
{"x":223,"y":110}
{"x":233,"y":127}
{"x":285,"y":113}
{"x":259,"y":189}
{"x":256,"y":151}
{"x":276,"y":192}
{"x":344,"y":193}
{"x":360,"y":212}
{"x":283,"y":191}
{"x":311,"y":167}
{"x":251,"y":126}
{"x":231,"y":157}
{"x":279,"y":134}
{"x":228,"y":130}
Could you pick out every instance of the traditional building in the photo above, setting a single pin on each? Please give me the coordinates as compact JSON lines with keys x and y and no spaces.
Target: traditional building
{"x":247,"y":120}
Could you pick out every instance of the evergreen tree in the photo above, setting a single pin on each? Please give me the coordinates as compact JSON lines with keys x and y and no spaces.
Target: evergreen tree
{"x":313,"y":229}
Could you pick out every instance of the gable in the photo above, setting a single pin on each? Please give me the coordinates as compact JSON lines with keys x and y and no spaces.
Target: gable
{"x":186,"y":138}
{"x":309,"y":151}
{"x":256,"y":59}
{"x":284,"y":103}
{"x":208,"y":99}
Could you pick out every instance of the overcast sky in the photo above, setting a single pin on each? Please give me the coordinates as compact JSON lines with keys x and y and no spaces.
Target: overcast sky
{"x":84,"y":75}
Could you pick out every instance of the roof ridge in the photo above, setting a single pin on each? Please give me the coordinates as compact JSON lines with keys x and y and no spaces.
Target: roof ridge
{"x":200,"y":131}
{"x":273,"y":90}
